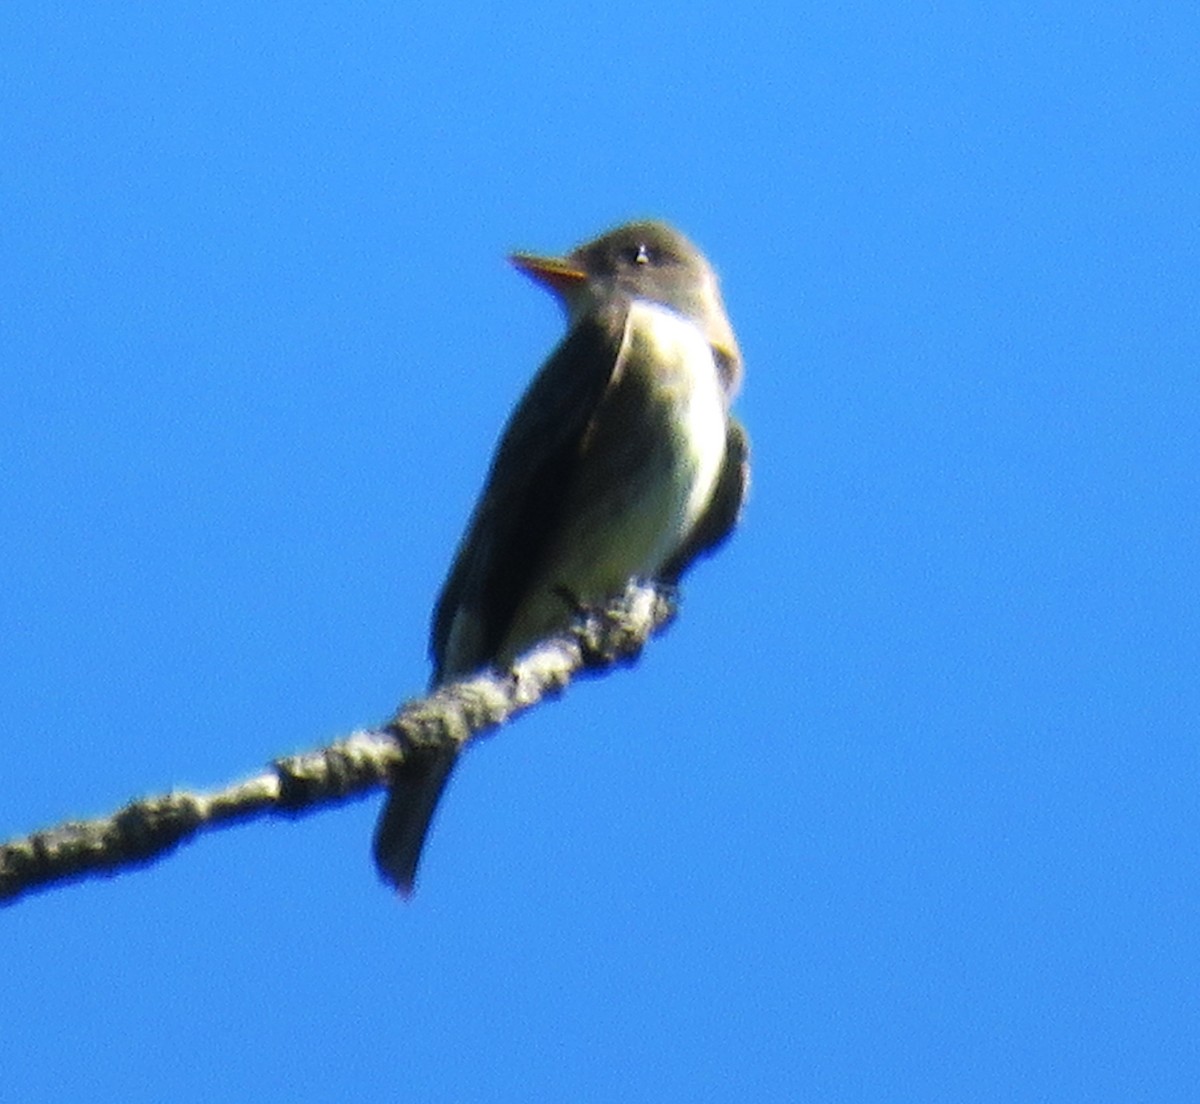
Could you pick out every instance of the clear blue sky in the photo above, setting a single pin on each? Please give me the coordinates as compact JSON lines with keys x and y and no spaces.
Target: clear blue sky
{"x":904,"y":808}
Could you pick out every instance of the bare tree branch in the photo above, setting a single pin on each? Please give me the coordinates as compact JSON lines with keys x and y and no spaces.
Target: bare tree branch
{"x":457,"y":713}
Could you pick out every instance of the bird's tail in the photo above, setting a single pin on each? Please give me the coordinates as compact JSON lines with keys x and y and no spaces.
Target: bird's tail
{"x":405,"y":820}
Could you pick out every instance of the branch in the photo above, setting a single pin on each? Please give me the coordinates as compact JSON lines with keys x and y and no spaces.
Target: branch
{"x":454,"y":714}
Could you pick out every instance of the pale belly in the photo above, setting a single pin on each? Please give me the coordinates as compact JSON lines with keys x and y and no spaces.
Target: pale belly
{"x":646,"y":476}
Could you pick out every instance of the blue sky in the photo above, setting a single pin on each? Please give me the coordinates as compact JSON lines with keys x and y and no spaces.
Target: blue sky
{"x":903,"y":808}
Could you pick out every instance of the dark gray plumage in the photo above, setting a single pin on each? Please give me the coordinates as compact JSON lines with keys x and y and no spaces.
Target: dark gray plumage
{"x":621,"y":461}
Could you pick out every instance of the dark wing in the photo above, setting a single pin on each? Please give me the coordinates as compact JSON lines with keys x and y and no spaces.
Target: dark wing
{"x":717,"y":522}
{"x":521,"y":503}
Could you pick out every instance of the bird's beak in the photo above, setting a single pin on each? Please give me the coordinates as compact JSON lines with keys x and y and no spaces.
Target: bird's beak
{"x":559,"y":275}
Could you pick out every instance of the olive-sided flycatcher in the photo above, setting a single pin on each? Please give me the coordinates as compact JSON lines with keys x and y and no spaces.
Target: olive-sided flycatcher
{"x":620,"y":462}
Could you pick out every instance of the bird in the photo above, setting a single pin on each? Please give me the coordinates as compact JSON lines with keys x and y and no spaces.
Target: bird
{"x":622,"y":461}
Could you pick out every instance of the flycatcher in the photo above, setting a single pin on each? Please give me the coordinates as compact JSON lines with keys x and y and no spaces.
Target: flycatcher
{"x":620,"y":462}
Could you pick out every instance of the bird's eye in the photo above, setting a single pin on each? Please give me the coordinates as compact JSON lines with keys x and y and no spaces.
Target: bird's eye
{"x":640,"y":254}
